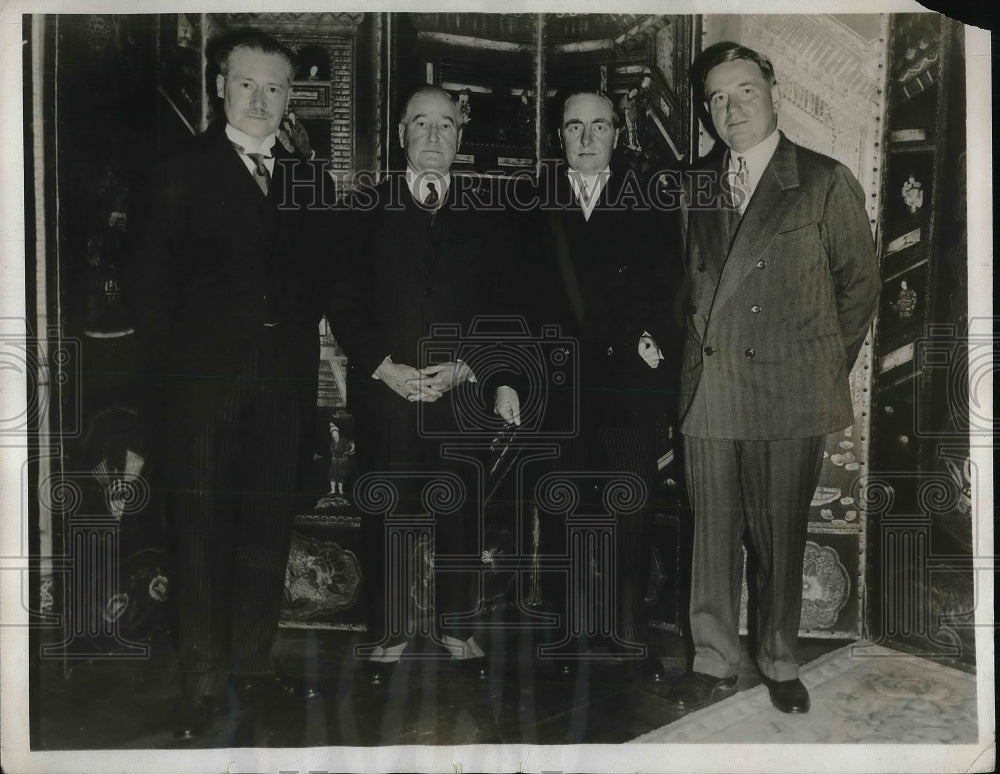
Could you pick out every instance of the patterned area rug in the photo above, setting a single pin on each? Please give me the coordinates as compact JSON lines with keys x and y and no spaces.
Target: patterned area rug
{"x":862,"y":693}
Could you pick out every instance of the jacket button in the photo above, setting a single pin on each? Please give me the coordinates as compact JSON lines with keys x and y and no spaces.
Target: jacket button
{"x":755,"y":309}
{"x":701,"y":267}
{"x":750,"y":353}
{"x":761,"y":263}
{"x":709,"y":350}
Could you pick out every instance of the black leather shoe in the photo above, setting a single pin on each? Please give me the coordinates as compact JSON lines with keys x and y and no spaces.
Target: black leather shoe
{"x":193,"y":715}
{"x":471,"y":668}
{"x":648,"y":670}
{"x":383,"y":661}
{"x":696,"y":690}
{"x":379,"y":673}
{"x":788,"y":695}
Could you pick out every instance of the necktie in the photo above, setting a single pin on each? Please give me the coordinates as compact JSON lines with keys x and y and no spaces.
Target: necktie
{"x":261,"y":174}
{"x":742,"y":188}
{"x":432,"y":197}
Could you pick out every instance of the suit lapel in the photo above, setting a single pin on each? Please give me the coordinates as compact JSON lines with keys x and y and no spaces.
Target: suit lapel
{"x":776,"y":194}
{"x":235,"y":171}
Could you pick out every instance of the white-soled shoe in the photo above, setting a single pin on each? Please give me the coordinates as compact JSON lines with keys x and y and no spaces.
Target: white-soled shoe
{"x":462,"y":650}
{"x":389,"y":655}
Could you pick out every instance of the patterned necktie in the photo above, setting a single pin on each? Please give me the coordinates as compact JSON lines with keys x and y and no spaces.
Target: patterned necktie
{"x":742,"y":185}
{"x":432,"y":198}
{"x":261,"y":174}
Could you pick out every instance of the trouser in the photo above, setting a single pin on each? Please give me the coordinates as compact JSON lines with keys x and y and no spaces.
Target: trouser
{"x":407,"y":548}
{"x":763,"y":487}
{"x":232,"y":513}
{"x":598,"y":457}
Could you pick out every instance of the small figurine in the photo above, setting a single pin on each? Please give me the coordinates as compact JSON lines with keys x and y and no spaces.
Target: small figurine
{"x":464,"y":108}
{"x":906,"y":301}
{"x":913,"y":194}
{"x":340,"y":451}
{"x":294,"y":137}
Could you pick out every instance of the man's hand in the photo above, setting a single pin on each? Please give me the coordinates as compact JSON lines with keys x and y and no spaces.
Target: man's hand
{"x":648,"y":351}
{"x":406,"y":381}
{"x":508,"y":406}
{"x":445,"y":376}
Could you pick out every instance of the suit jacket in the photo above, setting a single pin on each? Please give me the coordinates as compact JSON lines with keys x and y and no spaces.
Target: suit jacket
{"x":777,"y":316}
{"x":211,"y":260}
{"x":418,"y":281}
{"x":606,"y":281}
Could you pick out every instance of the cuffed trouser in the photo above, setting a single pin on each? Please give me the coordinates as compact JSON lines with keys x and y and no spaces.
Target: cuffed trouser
{"x":764,"y":487}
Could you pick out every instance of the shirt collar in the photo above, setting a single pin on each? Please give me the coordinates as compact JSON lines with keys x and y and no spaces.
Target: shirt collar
{"x":758,"y":157}
{"x":250,"y":144}
{"x":417,"y":183}
{"x":595,"y":184}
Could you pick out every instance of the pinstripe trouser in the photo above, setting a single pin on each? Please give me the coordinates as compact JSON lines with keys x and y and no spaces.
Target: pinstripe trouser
{"x":764,"y":487}
{"x":232,"y":516}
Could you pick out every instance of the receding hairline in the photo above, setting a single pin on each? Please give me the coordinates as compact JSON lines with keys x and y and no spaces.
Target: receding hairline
{"x":589,"y":93}
{"x":427,"y":91}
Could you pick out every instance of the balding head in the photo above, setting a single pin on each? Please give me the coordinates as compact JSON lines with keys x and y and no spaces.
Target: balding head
{"x":430,"y":130}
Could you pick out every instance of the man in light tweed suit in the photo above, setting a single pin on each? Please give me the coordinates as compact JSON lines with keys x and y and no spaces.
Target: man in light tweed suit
{"x":783,"y":284}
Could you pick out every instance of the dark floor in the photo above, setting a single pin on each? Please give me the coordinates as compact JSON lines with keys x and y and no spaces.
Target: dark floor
{"x":115,"y":704}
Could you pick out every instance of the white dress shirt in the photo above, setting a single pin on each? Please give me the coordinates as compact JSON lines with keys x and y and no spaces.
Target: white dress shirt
{"x":594,"y":184}
{"x":253,"y":145}
{"x":417,"y":183}
{"x":757,"y":158}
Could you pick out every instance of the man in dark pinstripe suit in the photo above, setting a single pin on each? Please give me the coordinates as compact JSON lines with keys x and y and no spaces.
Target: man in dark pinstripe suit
{"x":783,"y":286}
{"x":226,"y":289}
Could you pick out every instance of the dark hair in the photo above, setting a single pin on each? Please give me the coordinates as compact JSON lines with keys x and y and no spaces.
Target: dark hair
{"x":723,"y":52}
{"x":425,"y":91}
{"x":569,"y":94}
{"x":219,"y":49}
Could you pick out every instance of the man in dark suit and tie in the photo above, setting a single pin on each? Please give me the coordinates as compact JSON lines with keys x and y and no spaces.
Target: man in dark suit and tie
{"x":426,"y":262}
{"x":783,"y":286}
{"x":226,"y":289}
{"x":606,"y":268}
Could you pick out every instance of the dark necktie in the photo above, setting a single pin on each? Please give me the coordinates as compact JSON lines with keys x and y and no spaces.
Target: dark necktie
{"x":261,"y":174}
{"x":432,"y":198}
